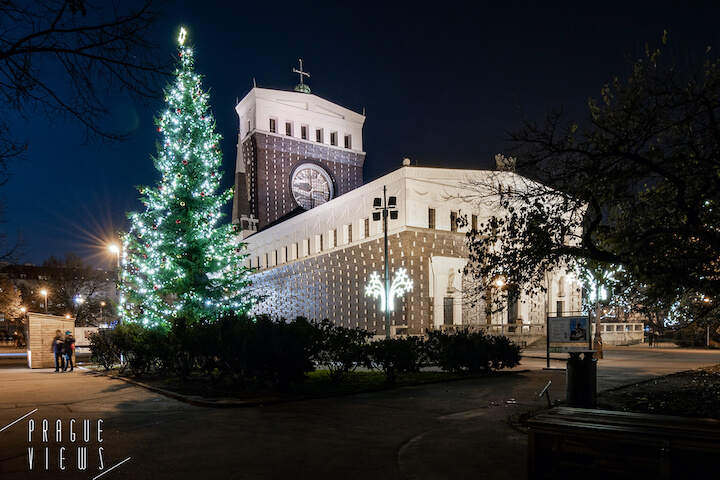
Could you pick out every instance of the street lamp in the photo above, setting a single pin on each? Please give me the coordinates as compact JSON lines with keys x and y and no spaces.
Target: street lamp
{"x":45,"y":293}
{"x":384,"y":206}
{"x":114,"y":248}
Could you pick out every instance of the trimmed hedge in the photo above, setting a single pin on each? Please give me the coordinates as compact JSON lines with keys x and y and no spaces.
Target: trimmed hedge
{"x":279,"y":353}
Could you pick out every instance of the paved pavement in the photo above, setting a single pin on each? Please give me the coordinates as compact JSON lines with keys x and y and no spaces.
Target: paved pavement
{"x":461,"y":429}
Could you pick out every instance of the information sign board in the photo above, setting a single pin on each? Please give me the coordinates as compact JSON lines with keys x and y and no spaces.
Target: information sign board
{"x":568,"y":330}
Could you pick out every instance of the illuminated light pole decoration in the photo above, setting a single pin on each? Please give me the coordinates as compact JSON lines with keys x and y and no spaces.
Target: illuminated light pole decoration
{"x":385,"y":207}
{"x":177,"y":265}
{"x":401,"y":283}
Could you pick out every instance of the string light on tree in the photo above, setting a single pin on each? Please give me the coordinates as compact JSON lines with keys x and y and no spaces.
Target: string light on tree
{"x":176,"y":263}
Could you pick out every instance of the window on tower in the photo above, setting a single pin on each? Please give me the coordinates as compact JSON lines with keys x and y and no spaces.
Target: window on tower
{"x":319,"y":135}
{"x":348,"y":141}
{"x":273,"y":125}
{"x":333,"y":138}
{"x":304,"y":132}
{"x":431,"y":218}
{"x":288,"y":129}
{"x":453,"y":221}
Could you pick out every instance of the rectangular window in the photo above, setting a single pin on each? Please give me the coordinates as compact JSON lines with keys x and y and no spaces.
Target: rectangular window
{"x":319,"y":135}
{"x":367,"y":227}
{"x":559,"y":307}
{"x":453,"y":221}
{"x":288,"y":129}
{"x":431,"y":218}
{"x":321,"y":246}
{"x":273,"y":125}
{"x":333,"y":138}
{"x":304,"y":132}
{"x":348,"y":141}
{"x":294,"y":251}
{"x":473,"y":223}
{"x":335,"y":243}
{"x":350,"y":233}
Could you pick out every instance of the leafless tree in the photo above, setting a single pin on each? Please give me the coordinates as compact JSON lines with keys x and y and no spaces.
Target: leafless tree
{"x":63,"y":60}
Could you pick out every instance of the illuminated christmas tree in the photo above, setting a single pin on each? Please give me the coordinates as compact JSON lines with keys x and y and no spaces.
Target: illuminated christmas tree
{"x":176,"y":263}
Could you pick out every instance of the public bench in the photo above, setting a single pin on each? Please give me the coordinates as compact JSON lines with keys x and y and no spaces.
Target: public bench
{"x":592,"y":444}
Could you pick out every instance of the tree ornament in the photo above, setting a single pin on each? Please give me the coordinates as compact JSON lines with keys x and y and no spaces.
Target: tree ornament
{"x":182,"y":204}
{"x":185,"y":162}
{"x":178,"y":221}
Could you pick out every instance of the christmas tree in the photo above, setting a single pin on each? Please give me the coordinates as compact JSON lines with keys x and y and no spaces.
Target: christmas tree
{"x":176,"y":263}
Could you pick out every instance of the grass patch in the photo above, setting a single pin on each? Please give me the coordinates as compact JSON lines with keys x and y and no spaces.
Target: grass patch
{"x":315,"y":384}
{"x":318,"y":383}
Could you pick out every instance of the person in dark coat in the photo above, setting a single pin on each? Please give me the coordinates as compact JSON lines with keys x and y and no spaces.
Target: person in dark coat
{"x":57,"y":347}
{"x":69,"y":350}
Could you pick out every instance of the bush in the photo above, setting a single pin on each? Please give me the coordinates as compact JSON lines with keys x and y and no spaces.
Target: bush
{"x":265,"y":351}
{"x":103,"y":349}
{"x":469,"y":351}
{"x":340,"y":350}
{"x":130,"y":345}
{"x":394,"y":356}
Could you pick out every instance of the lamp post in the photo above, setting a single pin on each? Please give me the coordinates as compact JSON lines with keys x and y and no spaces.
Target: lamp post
{"x":386,"y":206}
{"x":114,"y":248}
{"x":45,"y":294}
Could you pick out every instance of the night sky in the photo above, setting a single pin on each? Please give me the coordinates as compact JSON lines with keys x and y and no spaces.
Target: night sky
{"x":440,"y":83}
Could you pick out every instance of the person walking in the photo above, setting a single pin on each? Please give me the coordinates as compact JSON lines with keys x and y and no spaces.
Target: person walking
{"x":69,"y":350}
{"x":56,"y":347}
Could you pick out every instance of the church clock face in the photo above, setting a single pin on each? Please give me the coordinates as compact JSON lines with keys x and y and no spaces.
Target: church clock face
{"x":311,"y":185}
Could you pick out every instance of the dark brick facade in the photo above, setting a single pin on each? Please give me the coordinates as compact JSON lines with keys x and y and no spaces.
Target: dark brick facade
{"x":269,"y":161}
{"x":332,"y":285}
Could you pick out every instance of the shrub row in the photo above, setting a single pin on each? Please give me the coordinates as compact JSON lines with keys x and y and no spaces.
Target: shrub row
{"x":279,"y":353}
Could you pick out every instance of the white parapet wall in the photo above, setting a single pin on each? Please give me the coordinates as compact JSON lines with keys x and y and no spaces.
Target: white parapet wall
{"x":621,"y":333}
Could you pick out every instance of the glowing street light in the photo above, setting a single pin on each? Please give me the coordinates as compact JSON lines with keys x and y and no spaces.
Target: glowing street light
{"x":401,"y":283}
{"x":45,"y":293}
{"x":116,"y":250}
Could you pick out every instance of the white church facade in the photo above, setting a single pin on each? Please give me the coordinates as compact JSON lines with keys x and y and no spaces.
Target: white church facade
{"x":314,"y":243}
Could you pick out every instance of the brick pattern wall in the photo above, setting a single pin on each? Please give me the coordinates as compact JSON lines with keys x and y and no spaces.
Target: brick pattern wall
{"x":332,"y":285}
{"x":269,"y":160}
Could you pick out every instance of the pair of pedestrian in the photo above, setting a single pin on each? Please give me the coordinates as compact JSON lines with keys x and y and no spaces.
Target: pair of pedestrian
{"x":63,"y":348}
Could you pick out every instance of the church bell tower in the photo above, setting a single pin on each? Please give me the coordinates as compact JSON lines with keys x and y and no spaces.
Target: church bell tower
{"x":296,"y":151}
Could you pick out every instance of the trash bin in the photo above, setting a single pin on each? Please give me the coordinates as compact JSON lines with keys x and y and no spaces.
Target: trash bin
{"x":581,"y":380}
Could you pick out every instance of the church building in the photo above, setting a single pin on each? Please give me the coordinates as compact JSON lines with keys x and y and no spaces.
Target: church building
{"x":315,"y":231}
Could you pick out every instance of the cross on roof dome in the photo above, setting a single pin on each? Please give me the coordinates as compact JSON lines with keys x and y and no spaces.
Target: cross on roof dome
{"x":301,"y":87}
